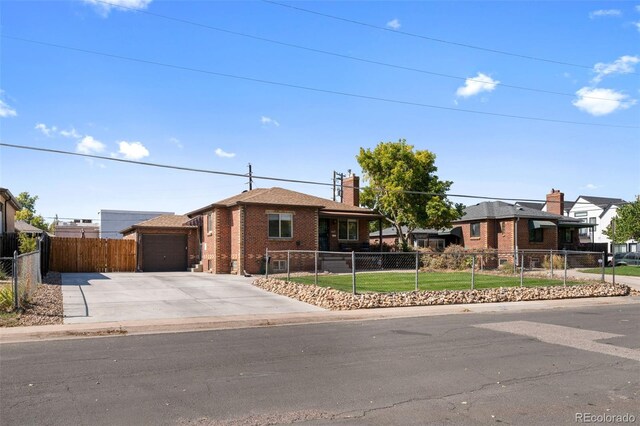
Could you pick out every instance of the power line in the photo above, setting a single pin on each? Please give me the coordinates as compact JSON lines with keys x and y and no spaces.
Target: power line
{"x":315,"y":89}
{"x":270,"y":178}
{"x":343,"y":56}
{"x":423,"y":37}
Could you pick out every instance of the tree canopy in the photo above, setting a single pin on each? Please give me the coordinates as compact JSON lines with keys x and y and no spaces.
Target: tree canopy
{"x":394,"y":169}
{"x":28,"y":211}
{"x":627,"y":223}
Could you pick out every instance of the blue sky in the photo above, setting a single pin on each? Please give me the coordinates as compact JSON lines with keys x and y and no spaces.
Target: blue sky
{"x":68,"y":100}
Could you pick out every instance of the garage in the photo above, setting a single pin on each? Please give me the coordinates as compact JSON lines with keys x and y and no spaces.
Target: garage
{"x":164,"y":253}
{"x":165,"y":244}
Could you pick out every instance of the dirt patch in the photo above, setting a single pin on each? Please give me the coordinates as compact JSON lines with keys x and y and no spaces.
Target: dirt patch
{"x":45,"y":308}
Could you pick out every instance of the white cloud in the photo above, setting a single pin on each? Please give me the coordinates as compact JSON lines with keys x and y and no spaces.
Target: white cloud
{"x":6,"y":110}
{"x":394,"y":24}
{"x":71,"y":133}
{"x":592,"y":186}
{"x":604,"y":13}
{"x":222,"y":154}
{"x":268,"y":120}
{"x":176,"y":142}
{"x":478,"y":84}
{"x":623,"y":65}
{"x":637,"y":24}
{"x":638,"y":8}
{"x":89,"y":145}
{"x":611,"y":102}
{"x":124,"y":5}
{"x":47,"y":131}
{"x":132,"y":150}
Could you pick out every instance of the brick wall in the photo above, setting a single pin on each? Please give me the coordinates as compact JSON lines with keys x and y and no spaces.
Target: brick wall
{"x":555,"y":202}
{"x":351,"y":190}
{"x":498,"y":234}
{"x":256,"y":238}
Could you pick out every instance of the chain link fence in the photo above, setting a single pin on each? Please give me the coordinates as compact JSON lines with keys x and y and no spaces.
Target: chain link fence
{"x":19,"y":279}
{"x":428,"y":270}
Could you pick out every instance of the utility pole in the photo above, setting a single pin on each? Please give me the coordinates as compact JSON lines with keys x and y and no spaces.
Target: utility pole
{"x":250,"y":178}
{"x":337,"y":190}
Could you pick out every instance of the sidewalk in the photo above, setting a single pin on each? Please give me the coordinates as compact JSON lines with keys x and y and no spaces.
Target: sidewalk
{"x":105,"y":329}
{"x":633,"y":282}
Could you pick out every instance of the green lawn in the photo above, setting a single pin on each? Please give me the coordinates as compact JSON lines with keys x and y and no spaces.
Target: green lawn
{"x":632,"y":271}
{"x":382,"y":282}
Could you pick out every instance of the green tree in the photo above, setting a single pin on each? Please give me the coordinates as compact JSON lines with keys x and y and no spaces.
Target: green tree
{"x":28,"y":211}
{"x":627,"y":223}
{"x":394,"y":169}
{"x":27,"y":244}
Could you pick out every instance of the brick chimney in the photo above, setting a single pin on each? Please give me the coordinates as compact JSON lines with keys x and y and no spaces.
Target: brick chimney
{"x":351,"y":190}
{"x":555,"y":202}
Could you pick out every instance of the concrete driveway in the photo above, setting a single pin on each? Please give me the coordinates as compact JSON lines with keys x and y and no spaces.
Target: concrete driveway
{"x":106,"y":297}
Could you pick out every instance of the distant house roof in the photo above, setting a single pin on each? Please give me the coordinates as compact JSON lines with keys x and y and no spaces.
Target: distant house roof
{"x":568,"y":205}
{"x":602,"y":202}
{"x":10,"y":198}
{"x":282,"y":197}
{"x":391,"y":232}
{"x":163,"y":221}
{"x":22,"y":226}
{"x":502,"y":210}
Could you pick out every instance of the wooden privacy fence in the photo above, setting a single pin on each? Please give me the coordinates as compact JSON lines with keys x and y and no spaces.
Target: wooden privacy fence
{"x":92,"y":255}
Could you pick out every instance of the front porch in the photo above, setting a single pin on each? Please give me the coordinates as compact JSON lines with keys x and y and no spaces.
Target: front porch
{"x":344,"y":232}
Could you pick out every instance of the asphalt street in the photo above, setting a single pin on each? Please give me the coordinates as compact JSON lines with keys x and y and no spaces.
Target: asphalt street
{"x":477,"y":368}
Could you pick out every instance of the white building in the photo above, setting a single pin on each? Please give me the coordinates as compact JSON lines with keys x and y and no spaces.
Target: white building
{"x":114,"y":221}
{"x":600,"y":211}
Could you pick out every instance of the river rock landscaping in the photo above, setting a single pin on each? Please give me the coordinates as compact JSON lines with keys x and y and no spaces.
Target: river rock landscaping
{"x":43,"y":309}
{"x":329,"y":298}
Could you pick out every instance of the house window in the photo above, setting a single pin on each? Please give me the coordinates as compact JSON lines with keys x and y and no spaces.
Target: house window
{"x":593,"y":221}
{"x":279,"y":265}
{"x":619,"y":248}
{"x":280,"y":225}
{"x":567,"y":236}
{"x":535,"y":234}
{"x":583,"y":231}
{"x":580,"y":214}
{"x":475,"y":229}
{"x":348,"y":229}
{"x":210,"y":223}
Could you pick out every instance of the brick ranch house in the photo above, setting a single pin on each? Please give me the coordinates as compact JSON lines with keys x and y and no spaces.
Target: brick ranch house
{"x":235,"y":233}
{"x":509,"y":227}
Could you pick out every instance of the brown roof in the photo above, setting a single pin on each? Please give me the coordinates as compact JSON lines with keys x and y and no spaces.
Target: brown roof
{"x":282,"y":197}
{"x":162,"y":221}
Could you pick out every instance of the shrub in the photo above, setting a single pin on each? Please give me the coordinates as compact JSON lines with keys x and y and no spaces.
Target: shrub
{"x":558,"y":262}
{"x":506,"y":268}
{"x":6,"y":298}
{"x":26,"y":244}
{"x":454,"y":257}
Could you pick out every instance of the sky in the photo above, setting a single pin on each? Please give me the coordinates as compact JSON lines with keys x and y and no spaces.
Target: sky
{"x":197,"y":91}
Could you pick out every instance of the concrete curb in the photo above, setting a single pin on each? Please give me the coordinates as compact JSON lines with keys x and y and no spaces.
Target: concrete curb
{"x":106,"y":329}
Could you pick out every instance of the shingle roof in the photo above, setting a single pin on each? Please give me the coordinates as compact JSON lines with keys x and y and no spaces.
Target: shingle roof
{"x":282,"y":197}
{"x":22,"y":226}
{"x":163,"y":221}
{"x":502,"y":210}
{"x":603,"y":202}
{"x":531,"y":205}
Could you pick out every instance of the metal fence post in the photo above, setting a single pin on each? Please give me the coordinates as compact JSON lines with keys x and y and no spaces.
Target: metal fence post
{"x":473,"y":271}
{"x":316,"y":268}
{"x":564,"y":281}
{"x":14,"y":277}
{"x":266,"y":263}
{"x":353,"y":271}
{"x":417,"y":268}
{"x":551,"y":261}
{"x":288,"y":263}
{"x":521,"y":268}
{"x":604,"y":262}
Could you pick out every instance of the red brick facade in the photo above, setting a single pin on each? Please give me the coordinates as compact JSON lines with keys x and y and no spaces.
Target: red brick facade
{"x":498,"y":234}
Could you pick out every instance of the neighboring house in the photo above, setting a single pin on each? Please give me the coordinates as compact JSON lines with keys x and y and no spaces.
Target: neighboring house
{"x":237,"y":231}
{"x":164,"y":243}
{"x":433,"y":238}
{"x":507,"y":227}
{"x":23,"y":227}
{"x":77,"y":228}
{"x":599,"y":211}
{"x":9,"y":205}
{"x":114,"y":221}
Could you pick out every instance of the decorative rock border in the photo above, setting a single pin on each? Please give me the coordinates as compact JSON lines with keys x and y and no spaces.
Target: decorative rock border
{"x":329,"y":298}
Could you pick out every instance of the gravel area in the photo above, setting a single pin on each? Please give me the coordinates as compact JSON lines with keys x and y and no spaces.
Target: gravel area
{"x":45,"y":308}
{"x":330,"y":298}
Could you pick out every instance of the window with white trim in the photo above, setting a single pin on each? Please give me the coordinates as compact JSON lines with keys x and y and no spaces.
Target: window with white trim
{"x":280,"y":225}
{"x":348,"y":229}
